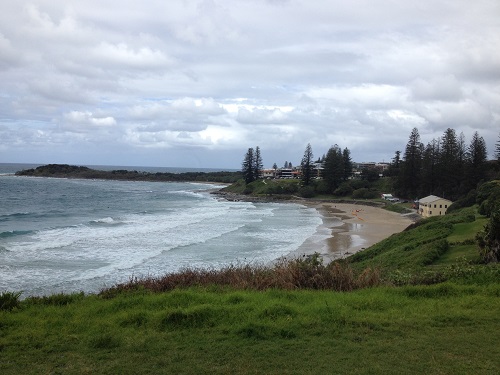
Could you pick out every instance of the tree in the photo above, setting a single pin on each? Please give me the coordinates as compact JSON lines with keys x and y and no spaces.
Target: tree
{"x":333,"y":170}
{"x":370,"y":174}
{"x":346,"y":158}
{"x":275,"y":166}
{"x":257,"y":164}
{"x":450,"y":165}
{"x":497,"y":148}
{"x":247,"y":167}
{"x":395,"y":165}
{"x":477,"y":157}
{"x":410,"y":171}
{"x":307,"y":165}
{"x":430,"y":162}
{"x":489,"y":239}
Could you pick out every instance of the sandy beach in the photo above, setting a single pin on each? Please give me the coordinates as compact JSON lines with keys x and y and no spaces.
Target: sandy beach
{"x":349,"y":228}
{"x":346,"y":229}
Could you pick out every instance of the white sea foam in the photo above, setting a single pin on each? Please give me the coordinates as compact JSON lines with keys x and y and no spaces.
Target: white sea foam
{"x":154,"y":234}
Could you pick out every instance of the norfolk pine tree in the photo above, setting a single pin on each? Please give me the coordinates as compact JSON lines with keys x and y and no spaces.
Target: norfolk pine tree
{"x":477,"y":156}
{"x":257,"y":165}
{"x":411,"y":167}
{"x":333,"y":171}
{"x":307,"y":167}
{"x":248,"y":165}
{"x":346,"y":156}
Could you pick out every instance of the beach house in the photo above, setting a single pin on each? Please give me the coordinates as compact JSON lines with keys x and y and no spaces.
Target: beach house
{"x":433,"y":206}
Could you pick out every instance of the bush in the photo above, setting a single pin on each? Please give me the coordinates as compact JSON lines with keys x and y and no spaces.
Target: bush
{"x":248,"y":190}
{"x":59,"y":299}
{"x":468,"y":201}
{"x":307,"y":272}
{"x":344,"y":189}
{"x":489,"y":238}
{"x":307,"y":192}
{"x":9,"y":300}
{"x":321,"y":187}
{"x":364,"y":193}
{"x":358,"y":184}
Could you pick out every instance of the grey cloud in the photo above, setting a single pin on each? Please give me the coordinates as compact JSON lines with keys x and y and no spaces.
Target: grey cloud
{"x":261,"y":116}
{"x":216,"y":77}
{"x":444,"y":88}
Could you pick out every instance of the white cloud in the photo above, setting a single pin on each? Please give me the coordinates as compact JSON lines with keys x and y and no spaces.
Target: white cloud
{"x":122,"y":56}
{"x":86,"y":122}
{"x":262,"y":116}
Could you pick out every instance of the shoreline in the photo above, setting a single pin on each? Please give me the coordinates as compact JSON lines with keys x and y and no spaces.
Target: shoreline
{"x":348,"y":226}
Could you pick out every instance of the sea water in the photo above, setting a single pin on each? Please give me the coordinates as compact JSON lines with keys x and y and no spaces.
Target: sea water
{"x":69,"y":235}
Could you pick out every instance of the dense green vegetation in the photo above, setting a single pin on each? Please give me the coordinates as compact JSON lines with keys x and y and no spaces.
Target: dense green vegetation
{"x":275,"y":189}
{"x":71,"y":171}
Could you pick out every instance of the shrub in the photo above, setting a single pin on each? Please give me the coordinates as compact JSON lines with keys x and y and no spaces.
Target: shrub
{"x":248,"y":190}
{"x":358,"y":184}
{"x":9,"y":300}
{"x":468,"y":201}
{"x":489,"y":238}
{"x":307,"y":272}
{"x":59,"y":299}
{"x":343,"y":190}
{"x":306,"y":192}
{"x":321,"y":187}
{"x":364,"y":193}
{"x":439,"y":248}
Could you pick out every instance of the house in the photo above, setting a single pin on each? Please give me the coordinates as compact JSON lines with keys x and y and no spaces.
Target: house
{"x":433,"y":206}
{"x":269,"y":173}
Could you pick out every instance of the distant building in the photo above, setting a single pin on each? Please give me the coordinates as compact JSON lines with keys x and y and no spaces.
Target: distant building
{"x":269,"y":173}
{"x":286,"y":173}
{"x":433,"y":206}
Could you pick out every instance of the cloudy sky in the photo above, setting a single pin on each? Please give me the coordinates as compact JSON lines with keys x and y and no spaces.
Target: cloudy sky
{"x":196,"y":83}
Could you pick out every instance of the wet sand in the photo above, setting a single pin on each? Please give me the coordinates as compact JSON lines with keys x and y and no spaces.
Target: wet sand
{"x":349,"y":228}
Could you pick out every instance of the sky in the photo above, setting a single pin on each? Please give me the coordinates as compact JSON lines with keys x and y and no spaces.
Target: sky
{"x":187,"y":83}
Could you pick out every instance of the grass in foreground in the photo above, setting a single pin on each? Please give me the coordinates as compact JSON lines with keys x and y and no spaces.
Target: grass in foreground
{"x":445,"y":329}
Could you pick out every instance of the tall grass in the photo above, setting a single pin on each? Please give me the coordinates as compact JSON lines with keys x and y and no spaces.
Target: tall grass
{"x":304,"y":273}
{"x":9,"y":300}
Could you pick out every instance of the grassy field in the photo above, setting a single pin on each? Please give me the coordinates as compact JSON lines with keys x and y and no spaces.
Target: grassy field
{"x":438,"y":329}
{"x":429,"y":307}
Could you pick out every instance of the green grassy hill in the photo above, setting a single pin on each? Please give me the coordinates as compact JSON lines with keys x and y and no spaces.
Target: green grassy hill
{"x":434,"y":241}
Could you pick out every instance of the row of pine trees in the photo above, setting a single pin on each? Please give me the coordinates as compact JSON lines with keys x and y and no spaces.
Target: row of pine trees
{"x":447,"y":167}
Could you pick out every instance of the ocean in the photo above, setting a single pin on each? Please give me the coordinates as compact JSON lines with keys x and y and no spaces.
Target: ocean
{"x":70,"y":235}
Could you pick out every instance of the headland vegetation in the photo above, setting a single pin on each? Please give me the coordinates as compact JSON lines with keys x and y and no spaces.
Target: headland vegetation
{"x":73,"y":171}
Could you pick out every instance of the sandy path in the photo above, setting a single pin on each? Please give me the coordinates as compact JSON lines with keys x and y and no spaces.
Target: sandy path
{"x":349,"y":228}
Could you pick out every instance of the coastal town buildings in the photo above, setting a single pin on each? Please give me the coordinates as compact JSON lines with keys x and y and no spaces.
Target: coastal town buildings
{"x":318,"y":168}
{"x":433,"y":206}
